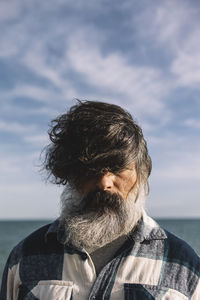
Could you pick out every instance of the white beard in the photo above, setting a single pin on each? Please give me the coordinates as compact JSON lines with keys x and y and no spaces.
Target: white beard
{"x":91,"y":230}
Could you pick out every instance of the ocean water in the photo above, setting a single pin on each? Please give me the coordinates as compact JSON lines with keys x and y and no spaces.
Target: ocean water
{"x":11,"y":232}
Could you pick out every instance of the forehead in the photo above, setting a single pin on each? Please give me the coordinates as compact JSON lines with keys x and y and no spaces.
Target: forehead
{"x":127,"y":173}
{"x":120,"y":172}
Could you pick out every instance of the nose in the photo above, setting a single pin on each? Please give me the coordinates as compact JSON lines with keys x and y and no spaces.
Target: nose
{"x":106,"y":182}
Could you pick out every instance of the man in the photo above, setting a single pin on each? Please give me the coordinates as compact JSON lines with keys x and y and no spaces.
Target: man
{"x":103,"y":246}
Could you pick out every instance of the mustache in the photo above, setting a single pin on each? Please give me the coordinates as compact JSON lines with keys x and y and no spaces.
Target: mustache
{"x":101,"y":201}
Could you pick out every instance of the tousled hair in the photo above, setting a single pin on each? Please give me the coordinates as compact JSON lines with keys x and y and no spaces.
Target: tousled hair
{"x":93,"y":138}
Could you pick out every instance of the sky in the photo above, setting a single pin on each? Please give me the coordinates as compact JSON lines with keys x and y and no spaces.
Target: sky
{"x":142,"y":55}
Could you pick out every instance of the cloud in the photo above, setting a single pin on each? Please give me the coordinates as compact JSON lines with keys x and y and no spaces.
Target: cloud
{"x":9,"y":166}
{"x":176,"y":157}
{"x":37,"y":140}
{"x":47,"y":112}
{"x":29,"y":200}
{"x":54,"y":52}
{"x":29,"y":91}
{"x":170,"y":21}
{"x":35,"y":60}
{"x":49,"y":96}
{"x":186,"y":66}
{"x":174,"y":28}
{"x":15,"y":127}
{"x":193,"y":123}
{"x":115,"y":75}
{"x":9,"y":10}
{"x":17,"y":166}
{"x":62,"y":49}
{"x":184,"y":170}
{"x":81,"y":53}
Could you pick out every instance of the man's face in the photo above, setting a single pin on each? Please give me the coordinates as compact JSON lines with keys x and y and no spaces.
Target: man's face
{"x":103,"y":209}
{"x":120,"y":183}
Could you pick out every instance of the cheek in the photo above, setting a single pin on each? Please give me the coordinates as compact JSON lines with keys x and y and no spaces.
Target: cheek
{"x":87,"y":187}
{"x":134,"y":179}
{"x":125,"y":185}
{"x":131,"y":182}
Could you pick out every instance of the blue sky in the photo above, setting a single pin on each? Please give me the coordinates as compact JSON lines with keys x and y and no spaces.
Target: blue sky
{"x":142,"y":55}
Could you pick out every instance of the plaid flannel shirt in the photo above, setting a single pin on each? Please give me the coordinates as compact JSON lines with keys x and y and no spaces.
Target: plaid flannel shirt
{"x":152,"y":264}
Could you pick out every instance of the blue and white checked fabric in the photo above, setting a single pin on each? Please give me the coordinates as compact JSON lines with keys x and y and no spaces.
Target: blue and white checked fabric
{"x":152,"y":264}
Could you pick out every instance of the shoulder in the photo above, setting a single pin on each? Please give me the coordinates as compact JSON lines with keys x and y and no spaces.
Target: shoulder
{"x":34,"y":244}
{"x":175,"y":250}
{"x":180,"y":252}
{"x":181,"y":265}
{"x":38,"y":256}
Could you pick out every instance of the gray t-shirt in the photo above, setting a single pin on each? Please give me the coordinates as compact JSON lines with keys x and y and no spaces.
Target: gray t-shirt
{"x":103,"y":255}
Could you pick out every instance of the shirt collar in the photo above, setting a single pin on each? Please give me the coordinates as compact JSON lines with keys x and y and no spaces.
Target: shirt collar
{"x":56,"y":230}
{"x":147,"y":229}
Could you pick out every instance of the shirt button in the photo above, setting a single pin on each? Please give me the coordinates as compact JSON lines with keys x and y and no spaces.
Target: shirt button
{"x":84,"y":256}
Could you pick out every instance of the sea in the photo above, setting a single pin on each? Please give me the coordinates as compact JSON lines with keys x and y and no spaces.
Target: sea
{"x":12,"y":232}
